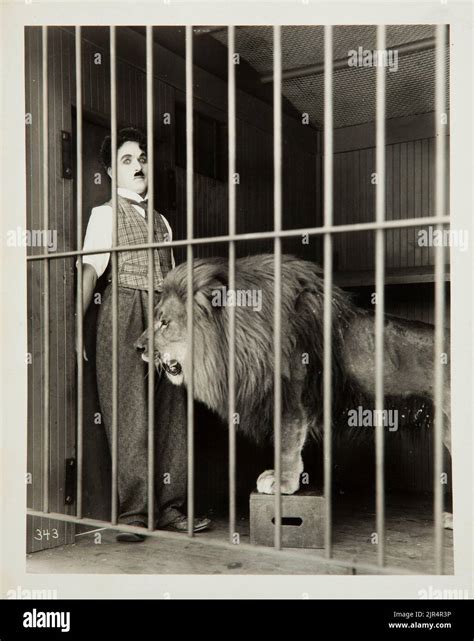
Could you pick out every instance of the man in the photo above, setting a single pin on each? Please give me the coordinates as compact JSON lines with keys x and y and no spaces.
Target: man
{"x":170,"y":412}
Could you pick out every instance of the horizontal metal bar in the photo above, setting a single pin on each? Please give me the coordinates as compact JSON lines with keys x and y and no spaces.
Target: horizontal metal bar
{"x":342,"y":63}
{"x":223,"y":543}
{"x":261,"y":235}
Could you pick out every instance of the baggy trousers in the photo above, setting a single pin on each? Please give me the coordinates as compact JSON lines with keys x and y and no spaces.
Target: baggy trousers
{"x":170,"y":415}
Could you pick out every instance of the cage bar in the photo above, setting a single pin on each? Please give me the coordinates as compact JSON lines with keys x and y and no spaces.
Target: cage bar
{"x":114,"y":258}
{"x":46,"y":320}
{"x":189,"y":258}
{"x":277,"y":140}
{"x":406,"y":223}
{"x":151,"y":270}
{"x":79,"y":298}
{"x":328,"y":251}
{"x":440,"y":206}
{"x":232,"y":227}
{"x":379,"y":296}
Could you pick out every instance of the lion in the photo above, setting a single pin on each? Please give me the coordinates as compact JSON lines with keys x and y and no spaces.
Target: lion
{"x":408,"y":363}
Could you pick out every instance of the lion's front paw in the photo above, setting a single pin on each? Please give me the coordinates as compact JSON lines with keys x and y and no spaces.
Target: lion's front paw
{"x":447,"y":521}
{"x":290,"y":482}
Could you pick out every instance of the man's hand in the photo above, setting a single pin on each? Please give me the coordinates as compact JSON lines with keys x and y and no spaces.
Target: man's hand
{"x":84,"y":354}
{"x":89,"y":280}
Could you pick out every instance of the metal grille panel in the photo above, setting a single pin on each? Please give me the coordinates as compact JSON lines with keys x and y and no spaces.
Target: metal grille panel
{"x":410,"y":90}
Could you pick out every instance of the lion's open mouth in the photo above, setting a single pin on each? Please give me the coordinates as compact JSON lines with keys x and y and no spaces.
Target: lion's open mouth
{"x":172,"y":367}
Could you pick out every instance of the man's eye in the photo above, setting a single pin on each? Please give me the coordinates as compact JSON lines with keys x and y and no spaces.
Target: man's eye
{"x":126,"y":161}
{"x":143,"y":159}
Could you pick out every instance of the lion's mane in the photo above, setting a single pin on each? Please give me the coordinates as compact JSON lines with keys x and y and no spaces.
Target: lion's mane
{"x":302,"y":301}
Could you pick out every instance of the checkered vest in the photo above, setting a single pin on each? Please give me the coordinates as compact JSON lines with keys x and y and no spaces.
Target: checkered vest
{"x":132,"y":229}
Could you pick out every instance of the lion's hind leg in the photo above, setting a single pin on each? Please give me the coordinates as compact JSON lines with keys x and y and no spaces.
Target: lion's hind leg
{"x":294,"y":430}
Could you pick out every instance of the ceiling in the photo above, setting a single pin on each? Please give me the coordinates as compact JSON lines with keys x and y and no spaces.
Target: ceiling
{"x":409,"y":90}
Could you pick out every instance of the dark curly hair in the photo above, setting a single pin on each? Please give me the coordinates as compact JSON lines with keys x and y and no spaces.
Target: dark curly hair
{"x":129,"y":134}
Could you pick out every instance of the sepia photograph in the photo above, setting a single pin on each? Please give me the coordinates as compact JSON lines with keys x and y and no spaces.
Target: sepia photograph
{"x":162,"y":417}
{"x":237,"y":307}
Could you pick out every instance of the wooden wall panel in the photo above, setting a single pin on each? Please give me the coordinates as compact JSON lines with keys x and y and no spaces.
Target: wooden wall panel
{"x":409,"y":194}
{"x":45,"y":533}
{"x":254,"y":164}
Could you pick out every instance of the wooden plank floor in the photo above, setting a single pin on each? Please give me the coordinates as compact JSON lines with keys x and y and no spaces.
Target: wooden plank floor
{"x":409,"y":530}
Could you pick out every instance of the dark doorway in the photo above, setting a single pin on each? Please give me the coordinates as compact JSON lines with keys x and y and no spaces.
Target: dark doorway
{"x":97,"y":465}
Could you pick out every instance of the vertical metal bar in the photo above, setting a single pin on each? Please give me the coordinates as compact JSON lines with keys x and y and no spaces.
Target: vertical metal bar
{"x":328,"y":280}
{"x":46,"y":323}
{"x":232,"y":229}
{"x":79,"y":298}
{"x":379,"y":296}
{"x":114,"y":256}
{"x":440,"y":210}
{"x":151,"y":269}
{"x":277,"y":140}
{"x":189,"y":258}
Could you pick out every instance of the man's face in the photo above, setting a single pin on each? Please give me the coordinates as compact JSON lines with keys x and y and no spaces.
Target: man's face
{"x":132,"y":168}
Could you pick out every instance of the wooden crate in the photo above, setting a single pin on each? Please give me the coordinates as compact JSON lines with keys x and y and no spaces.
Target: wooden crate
{"x":303,"y":516}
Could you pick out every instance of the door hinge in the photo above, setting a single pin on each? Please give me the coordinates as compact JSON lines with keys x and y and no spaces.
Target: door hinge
{"x":70,"y":482}
{"x":66,"y":144}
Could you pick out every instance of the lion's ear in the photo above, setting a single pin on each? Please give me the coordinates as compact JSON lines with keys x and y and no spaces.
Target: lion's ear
{"x":203,"y":302}
{"x":209,"y":275}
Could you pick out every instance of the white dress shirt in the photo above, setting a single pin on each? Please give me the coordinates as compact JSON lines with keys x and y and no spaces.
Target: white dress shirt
{"x":99,"y":232}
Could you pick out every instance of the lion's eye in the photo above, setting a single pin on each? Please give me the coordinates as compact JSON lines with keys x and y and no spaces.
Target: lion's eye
{"x":163,"y":324}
